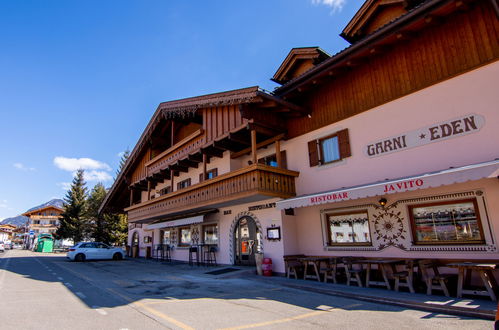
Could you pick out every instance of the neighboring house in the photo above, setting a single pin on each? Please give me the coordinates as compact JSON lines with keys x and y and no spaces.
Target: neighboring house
{"x":7,"y":232}
{"x":44,"y":220}
{"x":386,"y":149}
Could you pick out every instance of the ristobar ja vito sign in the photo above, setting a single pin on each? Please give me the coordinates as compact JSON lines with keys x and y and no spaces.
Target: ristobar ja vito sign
{"x":434,"y":133}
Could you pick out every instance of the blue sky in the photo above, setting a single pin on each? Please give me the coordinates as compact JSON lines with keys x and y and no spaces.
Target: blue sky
{"x":79,"y":80}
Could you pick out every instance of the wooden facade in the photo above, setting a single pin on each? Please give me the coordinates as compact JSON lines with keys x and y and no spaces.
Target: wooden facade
{"x":437,"y":49}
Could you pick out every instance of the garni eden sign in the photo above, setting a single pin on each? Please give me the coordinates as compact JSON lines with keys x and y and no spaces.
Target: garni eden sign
{"x":434,"y":133}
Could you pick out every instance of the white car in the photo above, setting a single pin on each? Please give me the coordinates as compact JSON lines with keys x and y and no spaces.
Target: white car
{"x":94,"y":251}
{"x":2,"y":247}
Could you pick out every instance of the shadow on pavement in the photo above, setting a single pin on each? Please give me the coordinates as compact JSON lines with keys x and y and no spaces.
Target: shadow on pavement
{"x":116,"y":283}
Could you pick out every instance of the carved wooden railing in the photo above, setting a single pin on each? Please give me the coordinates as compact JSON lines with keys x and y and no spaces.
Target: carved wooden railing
{"x":181,"y":149}
{"x":256,"y":179}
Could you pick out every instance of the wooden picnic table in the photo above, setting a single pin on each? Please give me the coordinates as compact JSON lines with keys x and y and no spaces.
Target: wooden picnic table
{"x":315,"y":263}
{"x":383,"y":265}
{"x":485,"y":271}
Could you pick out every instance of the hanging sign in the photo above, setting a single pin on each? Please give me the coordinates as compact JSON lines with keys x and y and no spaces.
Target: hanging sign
{"x":434,"y":133}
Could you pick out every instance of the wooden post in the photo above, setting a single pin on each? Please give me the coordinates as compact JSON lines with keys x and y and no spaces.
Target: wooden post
{"x":131,"y":196}
{"x":172,"y":175}
{"x":148,"y":190}
{"x":253,"y":146}
{"x":205,"y":160}
{"x":278,"y":153}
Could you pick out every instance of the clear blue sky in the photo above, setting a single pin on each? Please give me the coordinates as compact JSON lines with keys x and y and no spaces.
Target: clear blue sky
{"x":81,"y":79}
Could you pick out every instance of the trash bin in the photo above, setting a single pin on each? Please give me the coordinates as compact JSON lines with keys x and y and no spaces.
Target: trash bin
{"x":267,"y":267}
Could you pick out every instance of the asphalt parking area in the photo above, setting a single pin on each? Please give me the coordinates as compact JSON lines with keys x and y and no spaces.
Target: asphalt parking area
{"x":141,"y":295}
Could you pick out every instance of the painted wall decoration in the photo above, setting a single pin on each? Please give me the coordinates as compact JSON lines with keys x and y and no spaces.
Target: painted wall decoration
{"x":389,"y":228}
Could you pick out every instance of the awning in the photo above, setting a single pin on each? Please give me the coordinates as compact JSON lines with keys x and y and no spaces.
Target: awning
{"x":175,"y":223}
{"x":423,"y":181}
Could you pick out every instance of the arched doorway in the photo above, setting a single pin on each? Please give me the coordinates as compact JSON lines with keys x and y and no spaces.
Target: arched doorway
{"x":247,"y":241}
{"x":135,"y":245}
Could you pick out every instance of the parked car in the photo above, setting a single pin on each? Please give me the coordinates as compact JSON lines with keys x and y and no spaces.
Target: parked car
{"x":2,"y":247}
{"x":94,"y":251}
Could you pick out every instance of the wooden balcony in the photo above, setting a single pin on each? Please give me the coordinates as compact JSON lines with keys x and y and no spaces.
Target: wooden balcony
{"x":249,"y":184}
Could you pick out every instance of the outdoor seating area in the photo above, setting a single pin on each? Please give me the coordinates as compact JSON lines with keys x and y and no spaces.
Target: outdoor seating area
{"x":428,"y":276}
{"x":199,"y":254}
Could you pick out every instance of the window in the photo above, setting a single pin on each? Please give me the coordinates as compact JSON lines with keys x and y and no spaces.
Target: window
{"x":209,"y":174}
{"x":271,"y":160}
{"x":456,"y":222}
{"x":348,"y":228}
{"x":185,"y":236}
{"x":184,"y":184}
{"x":166,"y":236}
{"x":165,"y":191}
{"x":210,"y":234}
{"x":329,"y":149}
{"x":36,"y":222}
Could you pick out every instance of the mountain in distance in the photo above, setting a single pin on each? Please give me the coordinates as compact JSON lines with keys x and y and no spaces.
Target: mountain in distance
{"x":53,"y":202}
{"x":20,"y":220}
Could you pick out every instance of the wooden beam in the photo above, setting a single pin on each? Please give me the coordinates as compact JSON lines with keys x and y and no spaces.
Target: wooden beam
{"x":188,"y":163}
{"x":178,"y":167}
{"x":253,"y":146}
{"x":258,"y":146}
{"x":205,"y":160}
{"x":235,"y":138}
{"x":278,"y":153}
{"x":212,"y":151}
{"x":197,"y":157}
{"x":264,"y":130}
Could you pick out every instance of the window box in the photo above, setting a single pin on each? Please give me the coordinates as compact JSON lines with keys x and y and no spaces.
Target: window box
{"x":348,"y":229}
{"x":450,"y":222}
{"x":329,"y":149}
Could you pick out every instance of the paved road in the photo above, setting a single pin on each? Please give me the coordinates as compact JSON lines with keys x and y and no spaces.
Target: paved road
{"x":43,"y":291}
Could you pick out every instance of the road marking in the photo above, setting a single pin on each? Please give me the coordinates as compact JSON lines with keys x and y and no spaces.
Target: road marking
{"x":60,"y":278}
{"x":152,"y":311}
{"x":99,"y":310}
{"x":81,"y":295}
{"x":288,"y":319}
{"x":69,"y":285}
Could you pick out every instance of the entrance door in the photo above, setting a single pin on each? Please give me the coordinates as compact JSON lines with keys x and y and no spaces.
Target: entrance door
{"x":247,"y":239}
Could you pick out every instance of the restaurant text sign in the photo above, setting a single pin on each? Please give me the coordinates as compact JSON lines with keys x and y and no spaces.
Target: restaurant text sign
{"x":434,"y":133}
{"x":373,"y":190}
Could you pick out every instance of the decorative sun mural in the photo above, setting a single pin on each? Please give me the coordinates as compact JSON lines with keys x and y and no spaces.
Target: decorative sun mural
{"x":389,"y":227}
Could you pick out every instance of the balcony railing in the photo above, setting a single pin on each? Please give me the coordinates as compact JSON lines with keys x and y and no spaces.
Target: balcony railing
{"x":255,"y":182}
{"x":185,"y":147}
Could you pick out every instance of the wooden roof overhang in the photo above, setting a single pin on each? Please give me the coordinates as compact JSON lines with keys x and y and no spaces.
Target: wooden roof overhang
{"x":256,"y":106}
{"x":27,"y":214}
{"x":400,"y":29}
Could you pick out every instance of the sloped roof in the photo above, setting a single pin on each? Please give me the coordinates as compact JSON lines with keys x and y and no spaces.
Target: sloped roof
{"x":295,"y":57}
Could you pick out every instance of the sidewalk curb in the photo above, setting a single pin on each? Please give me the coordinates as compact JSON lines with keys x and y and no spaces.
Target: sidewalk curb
{"x":450,"y":310}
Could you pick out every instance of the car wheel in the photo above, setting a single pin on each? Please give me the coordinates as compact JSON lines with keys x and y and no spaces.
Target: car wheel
{"x":80,"y":257}
{"x":117,"y":256}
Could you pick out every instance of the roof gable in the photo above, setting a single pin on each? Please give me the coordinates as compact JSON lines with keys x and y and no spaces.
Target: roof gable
{"x":43,"y":209}
{"x":374,"y":14}
{"x":298,"y":61}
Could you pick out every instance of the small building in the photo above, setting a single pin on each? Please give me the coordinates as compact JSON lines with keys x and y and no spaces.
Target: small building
{"x":7,"y":232}
{"x":386,"y":149}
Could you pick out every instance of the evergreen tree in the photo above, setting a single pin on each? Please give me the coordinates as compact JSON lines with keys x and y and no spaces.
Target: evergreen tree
{"x":123,"y":160}
{"x":97,"y":224}
{"x":73,"y":223}
{"x":118,"y":228}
